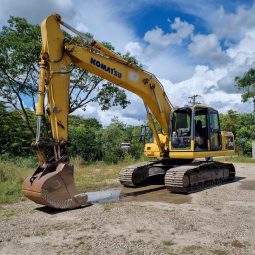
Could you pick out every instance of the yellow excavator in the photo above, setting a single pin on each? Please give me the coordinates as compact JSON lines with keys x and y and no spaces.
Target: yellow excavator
{"x":188,"y":133}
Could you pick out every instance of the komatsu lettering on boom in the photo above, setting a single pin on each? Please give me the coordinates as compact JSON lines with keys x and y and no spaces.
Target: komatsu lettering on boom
{"x":105,"y":67}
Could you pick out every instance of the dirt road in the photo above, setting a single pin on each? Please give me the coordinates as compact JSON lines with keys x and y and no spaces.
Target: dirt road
{"x":220,"y":220}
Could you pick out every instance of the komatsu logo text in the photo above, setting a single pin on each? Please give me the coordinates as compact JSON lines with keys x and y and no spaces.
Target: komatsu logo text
{"x":106,"y":68}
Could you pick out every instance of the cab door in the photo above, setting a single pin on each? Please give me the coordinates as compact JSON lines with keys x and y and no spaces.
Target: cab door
{"x":214,"y":130}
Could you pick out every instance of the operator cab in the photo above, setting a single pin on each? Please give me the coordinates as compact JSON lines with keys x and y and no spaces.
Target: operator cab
{"x":199,"y":124}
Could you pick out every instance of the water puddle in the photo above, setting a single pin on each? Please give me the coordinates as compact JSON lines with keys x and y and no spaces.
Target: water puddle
{"x":247,"y":185}
{"x":155,"y":193}
{"x":109,"y":195}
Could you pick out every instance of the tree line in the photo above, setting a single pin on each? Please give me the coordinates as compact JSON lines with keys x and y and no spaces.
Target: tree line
{"x":87,"y":137}
{"x":93,"y":142}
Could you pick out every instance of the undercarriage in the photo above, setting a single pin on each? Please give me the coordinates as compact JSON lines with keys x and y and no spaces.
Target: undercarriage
{"x":178,"y":177}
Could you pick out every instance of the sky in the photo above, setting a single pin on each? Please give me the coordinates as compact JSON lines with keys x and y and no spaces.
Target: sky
{"x":193,"y":47}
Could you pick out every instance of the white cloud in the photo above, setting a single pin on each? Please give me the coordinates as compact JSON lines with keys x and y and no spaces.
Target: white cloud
{"x":134,"y":114}
{"x":34,"y":11}
{"x":183,"y":29}
{"x":164,"y":64}
{"x":204,"y":82}
{"x":216,"y":85}
{"x":245,"y":46}
{"x":157,"y":38}
{"x":232,"y":25}
{"x":207,"y":49}
{"x":167,"y":64}
{"x":103,"y":19}
{"x":82,"y":28}
{"x":134,"y":48}
{"x":242,"y":59}
{"x":160,"y":59}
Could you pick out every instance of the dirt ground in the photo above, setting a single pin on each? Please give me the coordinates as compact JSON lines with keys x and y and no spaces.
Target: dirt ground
{"x":220,"y":220}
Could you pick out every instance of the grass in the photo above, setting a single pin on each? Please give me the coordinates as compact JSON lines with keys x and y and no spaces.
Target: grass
{"x":219,"y":252}
{"x":99,"y":175}
{"x":238,"y":159}
{"x":129,"y":250}
{"x":88,"y":177}
{"x":191,"y":249}
{"x":12,"y":174}
{"x":140,"y":230}
{"x":168,"y":242}
{"x":108,"y":206}
{"x":95,"y":176}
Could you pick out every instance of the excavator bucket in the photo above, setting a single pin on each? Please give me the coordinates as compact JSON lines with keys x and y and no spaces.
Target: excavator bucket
{"x":55,"y":189}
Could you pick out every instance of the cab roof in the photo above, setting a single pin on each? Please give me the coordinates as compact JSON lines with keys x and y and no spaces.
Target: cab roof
{"x":196,"y":106}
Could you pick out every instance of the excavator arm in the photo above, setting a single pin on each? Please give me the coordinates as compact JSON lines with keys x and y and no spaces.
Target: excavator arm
{"x":52,"y":183}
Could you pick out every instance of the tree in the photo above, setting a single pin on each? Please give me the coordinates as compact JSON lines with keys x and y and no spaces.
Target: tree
{"x":19,"y":53}
{"x":14,"y":136}
{"x":247,"y":85}
{"x":134,"y":134}
{"x":243,"y":127}
{"x":111,"y":138}
{"x":20,"y":44}
{"x":85,"y":143}
{"x":229,"y":121}
{"x":78,"y":121}
{"x":246,"y":132}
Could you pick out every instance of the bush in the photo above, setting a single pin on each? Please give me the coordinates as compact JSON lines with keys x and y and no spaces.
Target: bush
{"x":243,"y":127}
{"x":136,"y":150}
{"x":114,"y":155}
{"x":84,"y":143}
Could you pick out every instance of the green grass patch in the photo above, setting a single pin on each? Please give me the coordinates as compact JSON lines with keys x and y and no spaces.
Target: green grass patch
{"x":168,"y":242}
{"x":12,"y":174}
{"x":219,"y":252}
{"x":98,"y":175}
{"x":191,"y":249}
{"x":108,"y":206}
{"x":140,"y":230}
{"x":238,"y":159}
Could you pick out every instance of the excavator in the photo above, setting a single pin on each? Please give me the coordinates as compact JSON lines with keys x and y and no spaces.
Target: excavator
{"x":187,"y":133}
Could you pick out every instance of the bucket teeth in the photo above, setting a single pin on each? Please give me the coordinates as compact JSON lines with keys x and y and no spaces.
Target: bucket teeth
{"x":55,"y":189}
{"x":71,"y":203}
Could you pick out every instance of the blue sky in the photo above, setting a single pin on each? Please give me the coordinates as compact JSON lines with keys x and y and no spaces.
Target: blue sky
{"x":153,"y":15}
{"x":193,"y":47}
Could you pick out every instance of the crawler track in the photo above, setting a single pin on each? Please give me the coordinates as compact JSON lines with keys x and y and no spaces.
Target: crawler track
{"x":197,"y":176}
{"x":134,"y":175}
